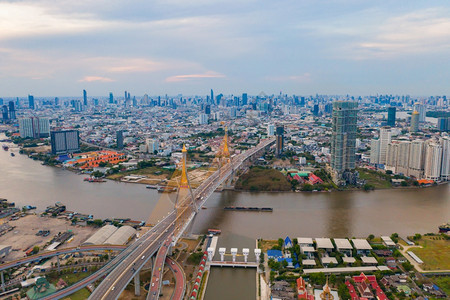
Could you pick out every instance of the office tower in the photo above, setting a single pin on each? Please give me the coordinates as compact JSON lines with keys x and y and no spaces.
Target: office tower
{"x":391,"y":116}
{"x":56,"y":101}
{"x":442,"y":124}
{"x":119,"y":137}
{"x":31,"y":101}
{"x":12,"y":110}
{"x":85,"y":98}
{"x":212,"y":96}
{"x":203,"y":119}
{"x":280,"y":140}
{"x":111,"y":98}
{"x":343,"y":139}
{"x":1,"y":101}
{"x":315,"y":110}
{"x":134,"y":101}
{"x":445,"y":168}
{"x":433,"y":160}
{"x":244,"y":99}
{"x":208,"y":109}
{"x":152,"y":146}
{"x":34,"y":127}
{"x":414,"y":122}
{"x":67,"y":141}
{"x":270,"y":130}
{"x":5,"y":116}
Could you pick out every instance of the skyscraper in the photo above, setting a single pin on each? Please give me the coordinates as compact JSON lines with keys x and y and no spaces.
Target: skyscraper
{"x":111,"y":98}
{"x":31,"y":101}
{"x":208,"y":109}
{"x":385,"y":139}
{"x":270,"y":130}
{"x":280,"y":140}
{"x":433,"y":160}
{"x":244,"y":99}
{"x":391,"y":116}
{"x":414,"y":122}
{"x":343,"y":139}
{"x":212,"y":96}
{"x":119,"y":138}
{"x":5,"y":116}
{"x":67,"y":141}
{"x":442,"y":124}
{"x":85,"y":98}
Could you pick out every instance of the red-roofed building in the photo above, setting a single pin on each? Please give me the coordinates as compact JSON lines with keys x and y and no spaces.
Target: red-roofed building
{"x":363,"y":281}
{"x":302,"y":291}
{"x":314,"y":179}
{"x":352,"y":291}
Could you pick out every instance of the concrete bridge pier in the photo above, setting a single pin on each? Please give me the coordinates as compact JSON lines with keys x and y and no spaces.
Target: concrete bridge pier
{"x":3,"y":282}
{"x":59,"y":263}
{"x":222,"y":253}
{"x":246,"y":252}
{"x":234,"y":253}
{"x":137,"y":285}
{"x":257,"y":254}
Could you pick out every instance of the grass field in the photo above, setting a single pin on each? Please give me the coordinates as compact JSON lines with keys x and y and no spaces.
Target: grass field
{"x":435,"y":252}
{"x":80,"y":295}
{"x":443,"y":282}
{"x":261,"y":179}
{"x":267,"y":244}
{"x":150,"y":172}
{"x":375,"y":179}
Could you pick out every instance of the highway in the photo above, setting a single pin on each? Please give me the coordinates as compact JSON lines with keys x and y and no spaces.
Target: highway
{"x":47,"y":254}
{"x":158,"y":270}
{"x":180,"y":279}
{"x":121,"y":270}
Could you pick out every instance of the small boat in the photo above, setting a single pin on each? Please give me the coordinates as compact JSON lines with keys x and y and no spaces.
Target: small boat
{"x":12,"y":154}
{"x":153,"y":187}
{"x":203,"y":207}
{"x":444,"y":228}
{"x":90,"y":179}
{"x":214,"y":231}
{"x":5,"y":147}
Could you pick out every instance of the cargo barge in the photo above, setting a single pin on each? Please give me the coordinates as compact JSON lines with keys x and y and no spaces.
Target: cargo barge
{"x":245,"y":208}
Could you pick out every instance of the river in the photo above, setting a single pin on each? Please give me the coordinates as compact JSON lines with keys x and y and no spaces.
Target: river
{"x":337,"y":214}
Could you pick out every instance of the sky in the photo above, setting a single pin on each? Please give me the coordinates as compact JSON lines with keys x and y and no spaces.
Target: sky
{"x":302,"y":47}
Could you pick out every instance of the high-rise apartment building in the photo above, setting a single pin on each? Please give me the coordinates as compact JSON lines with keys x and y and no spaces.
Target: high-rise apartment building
{"x":119,"y":139}
{"x":343,"y":139}
{"x":391,"y":116}
{"x":445,"y":168}
{"x":433,"y":160}
{"x":421,"y":109}
{"x":280,"y":140}
{"x":442,"y":124}
{"x":67,"y":141}
{"x":5,"y":115}
{"x":414,"y":122}
{"x":34,"y":127}
{"x":244,"y":99}
{"x":203,"y":119}
{"x":152,"y":146}
{"x":270,"y":130}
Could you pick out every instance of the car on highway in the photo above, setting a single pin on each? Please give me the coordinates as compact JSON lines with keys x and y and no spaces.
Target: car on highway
{"x":112,"y":289}
{"x":143,"y":256}
{"x":153,"y":284}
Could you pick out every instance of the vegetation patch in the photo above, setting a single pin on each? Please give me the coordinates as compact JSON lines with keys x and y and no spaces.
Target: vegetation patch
{"x":435,"y":252}
{"x":263,"y":179}
{"x":377,"y":180}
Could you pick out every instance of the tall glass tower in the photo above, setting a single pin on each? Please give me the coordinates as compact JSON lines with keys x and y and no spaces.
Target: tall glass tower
{"x":343,"y":140}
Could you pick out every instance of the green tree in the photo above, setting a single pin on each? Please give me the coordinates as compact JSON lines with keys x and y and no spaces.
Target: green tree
{"x":371,"y":237}
{"x":407,"y":266}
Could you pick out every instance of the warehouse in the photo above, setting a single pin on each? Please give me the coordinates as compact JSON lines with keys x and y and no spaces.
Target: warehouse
{"x":122,"y":236}
{"x":101,"y":236}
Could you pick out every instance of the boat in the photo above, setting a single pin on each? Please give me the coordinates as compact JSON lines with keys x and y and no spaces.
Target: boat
{"x":5,"y":147}
{"x":203,"y":207}
{"x":444,"y":228}
{"x":12,"y":154}
{"x":214,"y":231}
{"x":153,"y":187}
{"x":246,"y":208}
{"x":90,"y":179}
{"x":166,"y":189}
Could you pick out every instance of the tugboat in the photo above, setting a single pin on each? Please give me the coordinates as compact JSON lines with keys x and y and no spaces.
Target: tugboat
{"x":444,"y":228}
{"x":12,"y":154}
{"x":5,"y":147}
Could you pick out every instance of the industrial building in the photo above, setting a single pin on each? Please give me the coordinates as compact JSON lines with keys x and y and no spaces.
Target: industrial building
{"x":111,"y":235}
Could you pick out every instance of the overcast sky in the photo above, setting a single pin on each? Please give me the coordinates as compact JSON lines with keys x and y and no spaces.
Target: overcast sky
{"x":303,"y":47}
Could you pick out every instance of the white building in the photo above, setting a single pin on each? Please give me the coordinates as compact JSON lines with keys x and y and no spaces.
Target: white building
{"x":421,"y":109}
{"x":203,"y":119}
{"x":445,"y":168}
{"x":385,"y":139}
{"x":270,"y":130}
{"x":433,"y":160}
{"x":34,"y":127}
{"x":152,"y":145}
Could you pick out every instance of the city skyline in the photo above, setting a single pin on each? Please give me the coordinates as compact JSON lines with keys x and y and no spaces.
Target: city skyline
{"x":333,"y":47}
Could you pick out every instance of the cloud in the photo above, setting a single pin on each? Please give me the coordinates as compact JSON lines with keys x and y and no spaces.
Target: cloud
{"x":178,"y":78}
{"x":96,"y":79}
